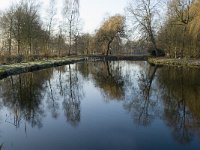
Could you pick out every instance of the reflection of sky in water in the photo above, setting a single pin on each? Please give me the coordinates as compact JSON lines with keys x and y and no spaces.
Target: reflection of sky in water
{"x":73,"y":108}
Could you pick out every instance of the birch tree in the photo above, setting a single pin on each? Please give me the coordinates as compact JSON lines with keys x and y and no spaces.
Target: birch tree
{"x":71,"y":15}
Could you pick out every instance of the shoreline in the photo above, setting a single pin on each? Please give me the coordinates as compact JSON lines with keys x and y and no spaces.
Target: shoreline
{"x":191,"y":63}
{"x":18,"y":68}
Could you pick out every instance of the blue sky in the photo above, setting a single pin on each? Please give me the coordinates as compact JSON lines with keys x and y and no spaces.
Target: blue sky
{"x":92,"y":12}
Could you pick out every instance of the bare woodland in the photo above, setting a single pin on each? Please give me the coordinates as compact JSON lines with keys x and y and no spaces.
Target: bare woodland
{"x":161,"y":27}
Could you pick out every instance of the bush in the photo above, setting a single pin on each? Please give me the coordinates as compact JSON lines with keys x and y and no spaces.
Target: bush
{"x":19,"y":58}
{"x":8,"y":59}
{"x":160,"y":52}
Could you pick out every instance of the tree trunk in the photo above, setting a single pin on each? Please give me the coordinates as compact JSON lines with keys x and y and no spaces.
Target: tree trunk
{"x":18,"y":46}
{"x":30,"y":46}
{"x":183,"y":44}
{"x":108,"y":47}
{"x":153,"y":41}
{"x":70,"y":36}
{"x":9,"y":46}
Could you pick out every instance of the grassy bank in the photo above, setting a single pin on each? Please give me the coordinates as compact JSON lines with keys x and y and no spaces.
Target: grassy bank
{"x":17,"y":68}
{"x":13,"y":69}
{"x":175,"y":62}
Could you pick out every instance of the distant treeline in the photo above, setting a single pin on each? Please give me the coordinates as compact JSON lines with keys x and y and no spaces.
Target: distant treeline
{"x":179,"y":35}
{"x":175,"y":33}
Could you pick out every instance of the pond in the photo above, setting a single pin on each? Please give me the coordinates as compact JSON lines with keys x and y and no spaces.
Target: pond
{"x":101,"y":105}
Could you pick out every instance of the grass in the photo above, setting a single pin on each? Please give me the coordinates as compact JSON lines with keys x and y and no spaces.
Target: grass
{"x":175,"y":62}
{"x":17,"y":68}
{"x":12,"y":69}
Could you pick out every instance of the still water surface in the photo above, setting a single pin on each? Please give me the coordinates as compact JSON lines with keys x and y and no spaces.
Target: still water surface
{"x":103,"y":105}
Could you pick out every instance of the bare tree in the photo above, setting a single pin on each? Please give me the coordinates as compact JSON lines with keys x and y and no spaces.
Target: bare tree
{"x":144,"y":15}
{"x":7,"y":27}
{"x":71,"y":16}
{"x":17,"y":26}
{"x":31,"y":24}
{"x":60,"y":40}
{"x":21,"y":24}
{"x":183,"y":15}
{"x":51,"y":13}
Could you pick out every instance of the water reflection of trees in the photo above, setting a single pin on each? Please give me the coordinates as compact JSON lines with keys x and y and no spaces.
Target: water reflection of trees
{"x":181,"y":98}
{"x":107,"y":76}
{"x":142,"y":102}
{"x":172,"y":94}
{"x":169,"y":93}
{"x":115,"y":82}
{"x":66,"y":89}
{"x":52,"y":97}
{"x":22,"y":94}
{"x":73,"y":93}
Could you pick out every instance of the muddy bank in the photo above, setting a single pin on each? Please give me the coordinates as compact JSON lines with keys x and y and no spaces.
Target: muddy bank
{"x":175,"y":62}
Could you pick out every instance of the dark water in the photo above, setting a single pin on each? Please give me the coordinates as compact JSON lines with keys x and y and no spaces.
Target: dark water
{"x":102,"y":105}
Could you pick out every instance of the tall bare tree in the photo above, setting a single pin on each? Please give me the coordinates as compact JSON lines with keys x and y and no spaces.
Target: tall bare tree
{"x":51,"y":13}
{"x":31,"y":24}
{"x":144,"y":15}
{"x":22,"y":27}
{"x":183,"y":15}
{"x":71,"y":15}
{"x":7,"y":27}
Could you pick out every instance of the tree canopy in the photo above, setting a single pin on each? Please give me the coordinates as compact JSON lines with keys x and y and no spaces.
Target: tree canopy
{"x":112,"y":28}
